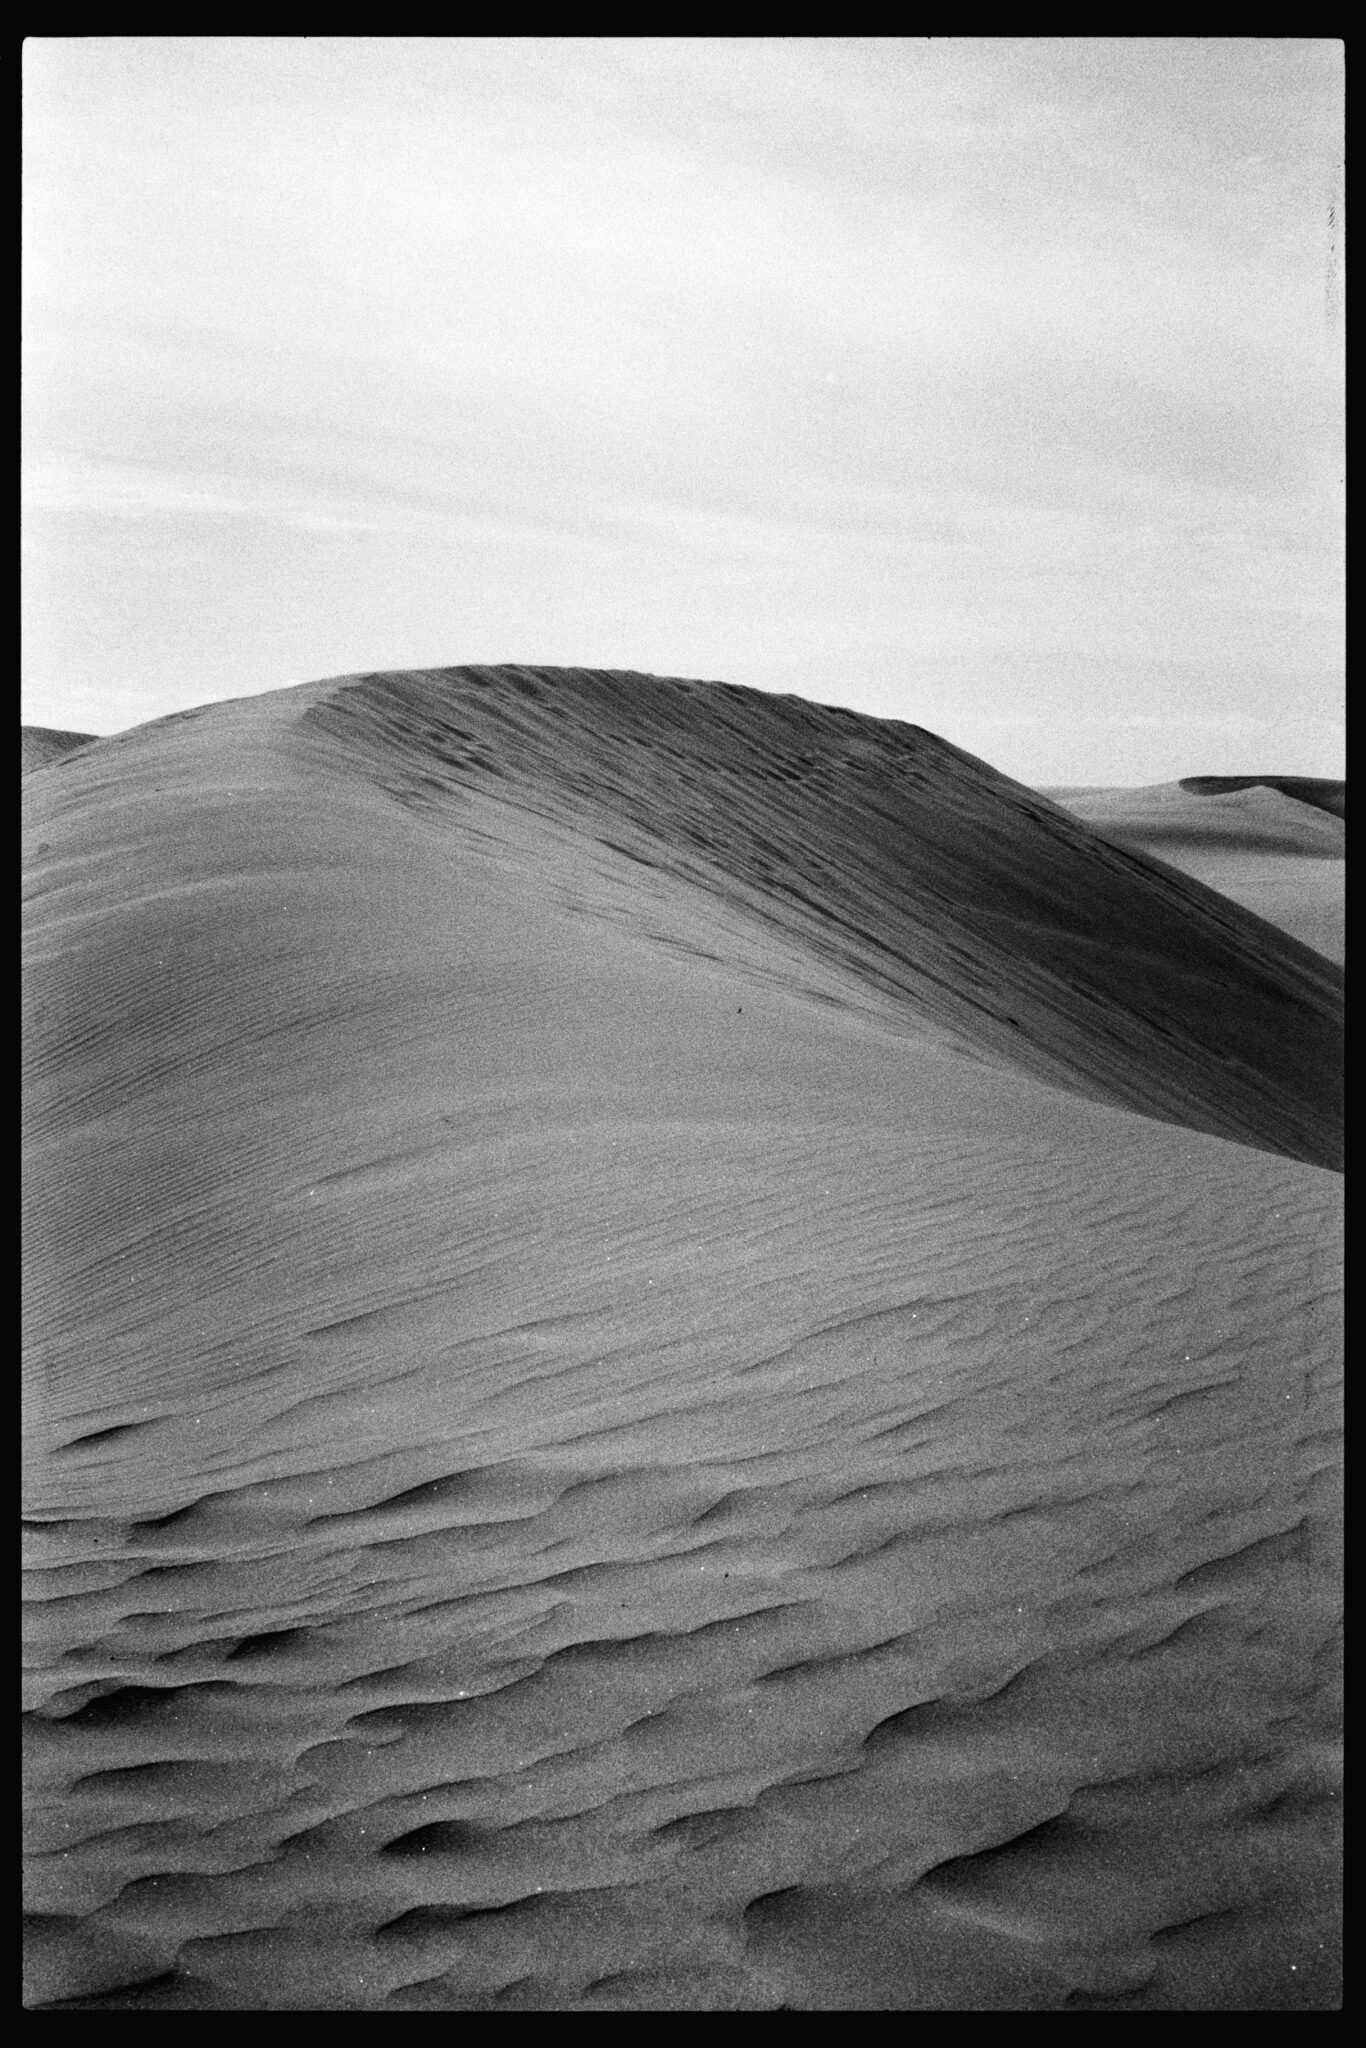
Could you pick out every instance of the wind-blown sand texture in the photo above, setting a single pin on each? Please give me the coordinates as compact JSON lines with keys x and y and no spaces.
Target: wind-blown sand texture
{"x":1277,"y":846}
{"x":681,"y":1351}
{"x":39,"y":746}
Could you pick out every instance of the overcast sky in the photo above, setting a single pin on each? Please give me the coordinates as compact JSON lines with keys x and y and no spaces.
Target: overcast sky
{"x":990,"y":385}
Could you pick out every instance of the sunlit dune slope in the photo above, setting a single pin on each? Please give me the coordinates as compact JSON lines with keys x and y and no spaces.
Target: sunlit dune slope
{"x":599,"y":1434}
{"x":1277,"y":846}
{"x":40,"y":744}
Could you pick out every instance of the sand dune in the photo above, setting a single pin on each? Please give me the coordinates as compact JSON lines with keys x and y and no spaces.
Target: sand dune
{"x":1318,"y":790}
{"x":681,"y":1352}
{"x":1277,"y":846}
{"x":39,"y":745}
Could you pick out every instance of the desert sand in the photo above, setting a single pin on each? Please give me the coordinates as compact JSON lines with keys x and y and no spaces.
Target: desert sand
{"x":1278,"y":846}
{"x":681,"y":1351}
{"x":39,"y":745}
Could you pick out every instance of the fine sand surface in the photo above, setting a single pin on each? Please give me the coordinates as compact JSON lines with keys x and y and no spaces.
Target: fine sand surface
{"x":1277,"y":846}
{"x":39,"y":745}
{"x":681,"y":1352}
{"x":1310,"y":789}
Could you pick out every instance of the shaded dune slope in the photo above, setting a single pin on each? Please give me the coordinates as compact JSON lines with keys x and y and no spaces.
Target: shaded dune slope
{"x":1323,"y":793}
{"x":924,"y":872}
{"x":599,"y":1436}
{"x":1252,"y":818}
{"x":39,"y":745}
{"x":1254,"y":842}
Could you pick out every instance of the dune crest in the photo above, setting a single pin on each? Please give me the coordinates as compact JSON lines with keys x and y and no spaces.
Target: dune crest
{"x":1259,"y":843}
{"x":926,"y":874}
{"x":1321,"y":791}
{"x":40,"y":745}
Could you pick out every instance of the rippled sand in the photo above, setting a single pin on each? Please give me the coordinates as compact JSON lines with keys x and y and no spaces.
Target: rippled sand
{"x":681,"y":1351}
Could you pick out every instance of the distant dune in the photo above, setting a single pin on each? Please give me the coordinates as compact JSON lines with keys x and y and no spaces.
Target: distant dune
{"x":1277,"y":845}
{"x":39,"y":745}
{"x":1306,"y":789}
{"x":681,"y":1351}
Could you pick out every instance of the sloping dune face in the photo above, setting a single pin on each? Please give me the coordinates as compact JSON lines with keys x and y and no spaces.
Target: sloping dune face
{"x":1277,"y":846}
{"x":1318,"y":790}
{"x":40,"y":745}
{"x":604,"y":1431}
{"x":917,"y":869}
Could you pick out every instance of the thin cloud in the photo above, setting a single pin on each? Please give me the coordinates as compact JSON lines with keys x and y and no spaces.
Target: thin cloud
{"x":756,"y":354}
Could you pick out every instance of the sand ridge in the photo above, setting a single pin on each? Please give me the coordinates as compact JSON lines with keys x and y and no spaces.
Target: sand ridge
{"x":588,"y":1451}
{"x":40,"y":746}
{"x":1265,"y":844}
{"x":970,"y":899}
{"x":1321,"y":791}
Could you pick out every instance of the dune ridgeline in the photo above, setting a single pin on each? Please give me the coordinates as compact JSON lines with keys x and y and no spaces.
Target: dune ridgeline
{"x":1277,"y":845}
{"x":681,"y":1351}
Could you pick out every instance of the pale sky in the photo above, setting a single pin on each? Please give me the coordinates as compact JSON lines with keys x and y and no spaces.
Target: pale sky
{"x":994,"y":385}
